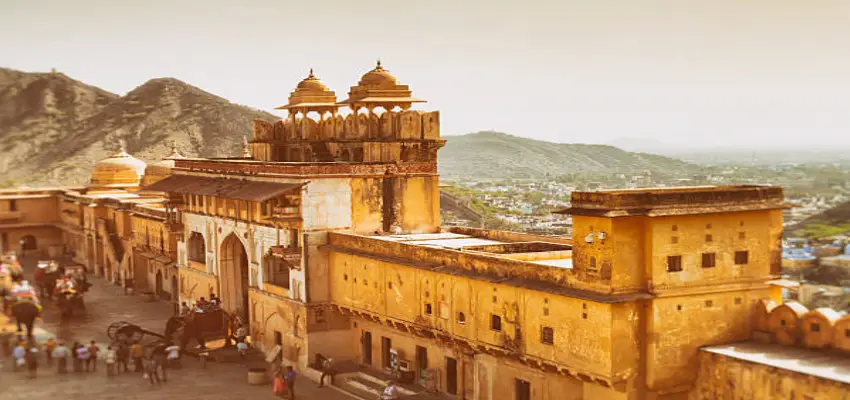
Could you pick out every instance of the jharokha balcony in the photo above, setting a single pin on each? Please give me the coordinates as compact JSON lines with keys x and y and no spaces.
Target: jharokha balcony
{"x":292,"y":255}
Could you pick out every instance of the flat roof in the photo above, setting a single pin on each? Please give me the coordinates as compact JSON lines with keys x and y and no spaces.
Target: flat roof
{"x":461,"y":242}
{"x":826,"y":365}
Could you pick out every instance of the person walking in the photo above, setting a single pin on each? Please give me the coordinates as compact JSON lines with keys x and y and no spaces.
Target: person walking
{"x":92,"y":361}
{"x":161,"y":360}
{"x":152,"y":371}
{"x":289,"y":378}
{"x":137,"y":353}
{"x":279,"y":387}
{"x":173,"y":355}
{"x":49,"y":346}
{"x":83,"y":357}
{"x":60,"y":354}
{"x":32,"y":362}
{"x":184,"y":309}
{"x":327,"y":370}
{"x":123,"y":354}
{"x":110,"y":358}
{"x":20,"y":353}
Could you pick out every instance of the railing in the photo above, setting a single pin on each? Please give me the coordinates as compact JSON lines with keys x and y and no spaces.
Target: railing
{"x":11,"y":216}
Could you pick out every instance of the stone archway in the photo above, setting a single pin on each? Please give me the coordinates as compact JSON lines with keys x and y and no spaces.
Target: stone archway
{"x":233,"y":276}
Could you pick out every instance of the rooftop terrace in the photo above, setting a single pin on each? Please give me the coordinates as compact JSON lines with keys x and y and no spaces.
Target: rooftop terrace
{"x":676,"y":201}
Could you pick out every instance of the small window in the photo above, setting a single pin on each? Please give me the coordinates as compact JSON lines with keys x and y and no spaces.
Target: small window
{"x":674,"y":239}
{"x":389,"y":285}
{"x":494,"y":299}
{"x":674,"y":263}
{"x":708,"y":238}
{"x":678,"y":307}
{"x":365,"y":282}
{"x":461,"y":318}
{"x":782,"y":322}
{"x":345,"y":277}
{"x":707,"y":226}
{"x":583,"y":315}
{"x":546,"y":311}
{"x":13,"y":205}
{"x":428,"y":309}
{"x":675,"y":228}
{"x":737,"y":300}
{"x":742,"y":235}
{"x":815,"y":327}
{"x":547,"y":335}
{"x":708,"y":260}
{"x":427,"y":294}
{"x":742,"y":257}
{"x":592,"y":262}
{"x":495,"y":322}
{"x":847,"y":332}
{"x":741,"y":223}
{"x":709,"y":303}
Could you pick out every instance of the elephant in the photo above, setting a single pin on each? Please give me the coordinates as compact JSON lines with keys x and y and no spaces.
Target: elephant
{"x":25,"y":313}
{"x":198,"y":326}
{"x":68,"y":301}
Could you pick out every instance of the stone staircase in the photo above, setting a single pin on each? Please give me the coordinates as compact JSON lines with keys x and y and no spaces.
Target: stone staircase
{"x":366,"y":386}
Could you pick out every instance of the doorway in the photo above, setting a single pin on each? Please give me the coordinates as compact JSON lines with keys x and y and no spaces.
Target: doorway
{"x":234,"y":277}
{"x":421,"y":361}
{"x":367,"y":348}
{"x":386,"y":355}
{"x":158,"y":288}
{"x":451,"y":375}
{"x":28,"y":243}
{"x":523,"y":390}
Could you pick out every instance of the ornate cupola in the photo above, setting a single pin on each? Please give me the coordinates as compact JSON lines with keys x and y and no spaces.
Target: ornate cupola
{"x":311,"y":95}
{"x":379,"y":88}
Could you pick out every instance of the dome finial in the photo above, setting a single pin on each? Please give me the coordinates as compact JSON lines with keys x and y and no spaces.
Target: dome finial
{"x":122,"y":146}
{"x":378,"y":66}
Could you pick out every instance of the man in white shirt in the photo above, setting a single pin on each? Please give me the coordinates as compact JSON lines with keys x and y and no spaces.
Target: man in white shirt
{"x":391,"y":392}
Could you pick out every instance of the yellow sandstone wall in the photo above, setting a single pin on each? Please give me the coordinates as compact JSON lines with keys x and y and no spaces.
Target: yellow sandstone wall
{"x":722,"y":377}
{"x":195,"y":284}
{"x":582,"y":329}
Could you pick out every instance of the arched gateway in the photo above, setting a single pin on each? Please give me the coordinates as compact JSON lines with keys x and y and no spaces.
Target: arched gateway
{"x":233,"y":276}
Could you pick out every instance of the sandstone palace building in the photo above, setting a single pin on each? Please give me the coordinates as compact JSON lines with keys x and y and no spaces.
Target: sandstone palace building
{"x":324,"y":234}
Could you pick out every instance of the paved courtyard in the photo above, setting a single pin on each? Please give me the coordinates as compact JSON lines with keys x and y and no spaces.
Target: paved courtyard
{"x":105,"y":304}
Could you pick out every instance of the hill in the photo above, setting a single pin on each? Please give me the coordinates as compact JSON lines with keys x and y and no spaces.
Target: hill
{"x":832,"y":222}
{"x":54,"y":128}
{"x":499,"y":155}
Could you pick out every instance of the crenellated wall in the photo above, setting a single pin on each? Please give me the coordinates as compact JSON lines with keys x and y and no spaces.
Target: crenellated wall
{"x":407,"y":136}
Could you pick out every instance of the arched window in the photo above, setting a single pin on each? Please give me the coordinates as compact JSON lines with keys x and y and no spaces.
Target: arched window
{"x":197,"y":248}
{"x":592,"y":262}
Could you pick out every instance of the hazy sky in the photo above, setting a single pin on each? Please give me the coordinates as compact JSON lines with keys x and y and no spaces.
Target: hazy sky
{"x":702,"y":73}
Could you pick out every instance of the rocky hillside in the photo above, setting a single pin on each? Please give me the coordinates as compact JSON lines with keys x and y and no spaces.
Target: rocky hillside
{"x":832,"y":222}
{"x":499,"y":155}
{"x":53,"y":128}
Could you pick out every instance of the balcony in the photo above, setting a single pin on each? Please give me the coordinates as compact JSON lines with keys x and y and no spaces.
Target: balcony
{"x":11,"y":217}
{"x":286,"y":213}
{"x":292,"y":255}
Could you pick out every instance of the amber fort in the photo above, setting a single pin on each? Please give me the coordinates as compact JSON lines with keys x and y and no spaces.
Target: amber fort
{"x":323,"y":232}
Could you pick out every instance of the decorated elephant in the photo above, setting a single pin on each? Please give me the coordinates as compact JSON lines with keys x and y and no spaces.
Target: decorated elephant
{"x":214,"y":324}
{"x":69,"y":296}
{"x":25,"y":313}
{"x":46,"y":276}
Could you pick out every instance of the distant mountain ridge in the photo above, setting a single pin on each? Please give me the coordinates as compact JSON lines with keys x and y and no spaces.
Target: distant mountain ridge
{"x":499,"y":155}
{"x":53,"y":129}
